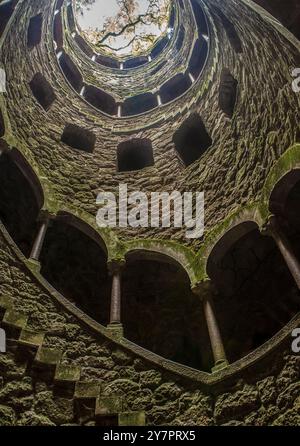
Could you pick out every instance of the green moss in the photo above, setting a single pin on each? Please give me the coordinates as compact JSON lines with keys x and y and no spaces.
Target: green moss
{"x":289,"y":160}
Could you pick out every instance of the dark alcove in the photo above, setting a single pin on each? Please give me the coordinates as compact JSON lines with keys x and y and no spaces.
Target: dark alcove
{"x":135,"y":154}
{"x":191,"y":139}
{"x":78,"y":138}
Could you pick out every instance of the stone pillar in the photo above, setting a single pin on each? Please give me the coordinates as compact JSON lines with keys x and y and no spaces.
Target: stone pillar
{"x":273,"y":228}
{"x":40,"y":238}
{"x":216,"y":341}
{"x":115,"y":324}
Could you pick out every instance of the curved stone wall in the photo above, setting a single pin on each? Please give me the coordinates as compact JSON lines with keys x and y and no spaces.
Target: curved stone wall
{"x":245,"y":103}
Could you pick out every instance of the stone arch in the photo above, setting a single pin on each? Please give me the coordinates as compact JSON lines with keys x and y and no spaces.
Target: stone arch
{"x":75,"y":221}
{"x":21,"y":199}
{"x":256,"y":293}
{"x":282,"y":189}
{"x":232,"y":236}
{"x":182,"y":256}
{"x":74,"y":261}
{"x":281,"y":179}
{"x":160,"y":312}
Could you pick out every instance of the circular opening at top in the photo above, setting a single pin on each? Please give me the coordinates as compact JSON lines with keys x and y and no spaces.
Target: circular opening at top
{"x":123,"y":28}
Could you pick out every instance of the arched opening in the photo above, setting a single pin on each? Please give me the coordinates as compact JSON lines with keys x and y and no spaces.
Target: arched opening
{"x":70,"y":17}
{"x":175,"y":87}
{"x":58,"y":32}
{"x":20,"y":200}
{"x":42,"y":91}
{"x":228,"y":92}
{"x":78,"y":138}
{"x":135,"y":62}
{"x":71,"y":72}
{"x":158,"y":48}
{"x":135,"y":154}
{"x":75,"y":264}
{"x":198,"y":57}
{"x":257,"y":295}
{"x":139,"y":104}
{"x":191,"y":139}
{"x":161,"y":314}
{"x":281,"y":191}
{"x":100,"y":100}
{"x":34,"y":35}
{"x":289,"y":211}
{"x":107,"y":61}
{"x":180,"y":39}
{"x":83,"y":45}
{"x":231,"y":32}
{"x":6,"y":10}
{"x":200,"y":17}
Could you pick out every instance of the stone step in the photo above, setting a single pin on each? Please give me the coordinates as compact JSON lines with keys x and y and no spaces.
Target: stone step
{"x":87,"y":390}
{"x":48,"y":356}
{"x":67,"y":373}
{"x":132,"y":419}
{"x":15,"y":319}
{"x":31,"y":338}
{"x":6,"y":302}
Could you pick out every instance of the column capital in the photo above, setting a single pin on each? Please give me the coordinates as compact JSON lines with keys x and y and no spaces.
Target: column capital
{"x":45,"y":216}
{"x":274,"y":226}
{"x":204,"y":289}
{"x":116,"y":266}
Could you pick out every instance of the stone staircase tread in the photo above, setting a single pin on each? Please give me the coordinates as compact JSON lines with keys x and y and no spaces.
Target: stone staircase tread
{"x":70,"y":373}
{"x":32,"y":338}
{"x":48,"y":356}
{"x":87,"y":390}
{"x":132,"y":418}
{"x":15,"y":319}
{"x":6,"y":302}
{"x":108,"y":405}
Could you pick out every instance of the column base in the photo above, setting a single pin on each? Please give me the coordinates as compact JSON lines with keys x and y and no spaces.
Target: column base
{"x":34,"y":265}
{"x":220,"y":365}
{"x":116,"y":330}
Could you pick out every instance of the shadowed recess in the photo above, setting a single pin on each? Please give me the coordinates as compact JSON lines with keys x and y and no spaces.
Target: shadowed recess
{"x":100,"y":100}
{"x":228,"y":92}
{"x":135,"y":154}
{"x":161,"y":314}
{"x":35,"y":31}
{"x":257,"y":295}
{"x":76,"y":266}
{"x":78,"y":138}
{"x":19,"y":207}
{"x":191,"y":139}
{"x":42,"y":91}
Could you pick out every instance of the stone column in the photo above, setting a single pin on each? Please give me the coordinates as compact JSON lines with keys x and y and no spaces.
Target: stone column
{"x":40,"y":238}
{"x":217,"y":346}
{"x":115,"y":325}
{"x":273,"y":228}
